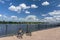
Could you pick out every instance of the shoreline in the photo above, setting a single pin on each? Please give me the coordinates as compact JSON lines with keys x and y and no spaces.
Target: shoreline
{"x":49,"y":34}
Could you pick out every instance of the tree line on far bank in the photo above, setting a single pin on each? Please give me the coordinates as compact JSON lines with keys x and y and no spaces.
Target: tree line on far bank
{"x":3,"y":22}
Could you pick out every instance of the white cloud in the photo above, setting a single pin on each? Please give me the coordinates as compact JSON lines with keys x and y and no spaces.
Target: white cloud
{"x":24,"y":6}
{"x":49,"y":18}
{"x":55,"y":13}
{"x":0,"y":15}
{"x":28,"y":18}
{"x":10,"y":4}
{"x":44,"y":14}
{"x":3,"y":17}
{"x":52,"y":19}
{"x":55,"y":16}
{"x":14,"y":17}
{"x":31,"y":18}
{"x":1,"y":1}
{"x":21,"y":7}
{"x":58,"y":5}
{"x":27,"y":12}
{"x":14,"y":8}
{"x":21,"y":19}
{"x":45,"y":3}
{"x":34,"y":6}
{"x":18,"y":8}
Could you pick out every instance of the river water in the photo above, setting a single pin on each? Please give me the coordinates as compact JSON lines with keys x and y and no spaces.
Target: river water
{"x":6,"y":29}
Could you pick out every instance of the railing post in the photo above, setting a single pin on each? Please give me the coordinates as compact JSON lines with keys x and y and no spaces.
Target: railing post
{"x":6,"y":29}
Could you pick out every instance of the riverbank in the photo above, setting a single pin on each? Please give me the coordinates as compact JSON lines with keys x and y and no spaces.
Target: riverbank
{"x":3,"y":22}
{"x":49,"y":34}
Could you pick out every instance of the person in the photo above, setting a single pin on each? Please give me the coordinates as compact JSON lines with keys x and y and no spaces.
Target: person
{"x":20,"y":33}
{"x":28,"y":32}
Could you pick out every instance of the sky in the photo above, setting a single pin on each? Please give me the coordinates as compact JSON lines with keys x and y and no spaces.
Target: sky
{"x":30,"y":10}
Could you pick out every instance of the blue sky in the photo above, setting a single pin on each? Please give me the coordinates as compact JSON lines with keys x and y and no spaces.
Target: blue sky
{"x":30,"y":10}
